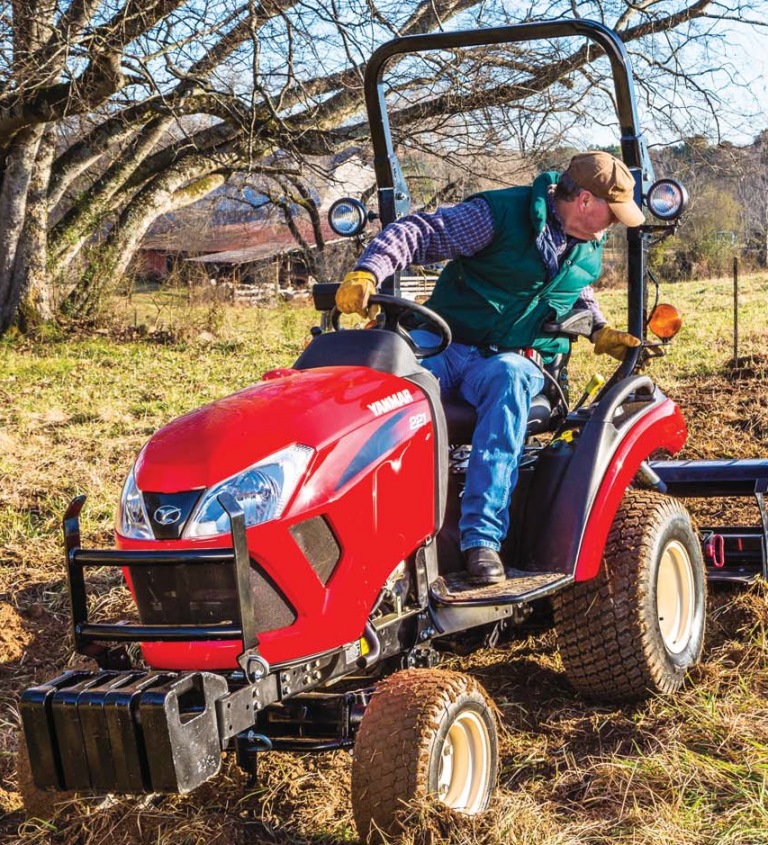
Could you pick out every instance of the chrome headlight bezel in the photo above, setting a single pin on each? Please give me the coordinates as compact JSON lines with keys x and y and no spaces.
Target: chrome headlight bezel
{"x":347,"y":217}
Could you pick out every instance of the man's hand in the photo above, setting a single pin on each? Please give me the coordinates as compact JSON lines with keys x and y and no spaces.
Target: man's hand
{"x":353,"y":294}
{"x":612,"y":342}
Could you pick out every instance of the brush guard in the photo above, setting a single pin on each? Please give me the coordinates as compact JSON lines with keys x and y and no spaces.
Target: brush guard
{"x":127,"y":730}
{"x":89,"y":637}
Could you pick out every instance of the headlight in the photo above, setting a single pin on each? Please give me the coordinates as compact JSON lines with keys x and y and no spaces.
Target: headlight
{"x":132,"y":518}
{"x":667,"y":199}
{"x":262,"y":491}
{"x":347,"y":217}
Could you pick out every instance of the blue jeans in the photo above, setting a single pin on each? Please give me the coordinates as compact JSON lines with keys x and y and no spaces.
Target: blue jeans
{"x":500,"y":388}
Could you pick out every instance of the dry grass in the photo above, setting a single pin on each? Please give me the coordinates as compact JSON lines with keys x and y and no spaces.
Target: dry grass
{"x":693,"y":770}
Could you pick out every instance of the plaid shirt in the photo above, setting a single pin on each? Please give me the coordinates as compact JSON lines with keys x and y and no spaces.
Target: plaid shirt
{"x":461,"y":230}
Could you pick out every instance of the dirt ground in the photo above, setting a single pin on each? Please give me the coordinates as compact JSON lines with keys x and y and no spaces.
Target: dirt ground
{"x":571,"y":772}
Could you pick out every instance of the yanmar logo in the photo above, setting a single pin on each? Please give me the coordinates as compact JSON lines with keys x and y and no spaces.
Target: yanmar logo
{"x":389,"y":403}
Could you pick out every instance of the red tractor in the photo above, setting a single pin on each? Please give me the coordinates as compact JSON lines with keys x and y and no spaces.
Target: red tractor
{"x":292,"y":548}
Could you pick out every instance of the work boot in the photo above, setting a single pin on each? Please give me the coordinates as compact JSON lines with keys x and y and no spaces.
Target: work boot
{"x":484,"y":566}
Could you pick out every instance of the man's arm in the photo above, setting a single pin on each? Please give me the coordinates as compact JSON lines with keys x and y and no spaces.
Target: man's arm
{"x":424,"y":238}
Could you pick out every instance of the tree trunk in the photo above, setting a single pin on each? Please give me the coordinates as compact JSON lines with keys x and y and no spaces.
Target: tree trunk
{"x":83,"y":154}
{"x":77,"y":227}
{"x":19,"y":168}
{"x":30,"y":274}
{"x":108,"y":264}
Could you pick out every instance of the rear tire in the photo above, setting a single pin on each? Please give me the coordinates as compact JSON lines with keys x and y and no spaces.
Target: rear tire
{"x":638,"y":627}
{"x":426,"y":733}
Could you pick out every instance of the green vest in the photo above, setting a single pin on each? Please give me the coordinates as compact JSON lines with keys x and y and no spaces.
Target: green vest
{"x":501,"y":296}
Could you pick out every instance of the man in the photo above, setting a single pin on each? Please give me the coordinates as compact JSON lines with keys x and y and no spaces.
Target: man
{"x":518,"y":257}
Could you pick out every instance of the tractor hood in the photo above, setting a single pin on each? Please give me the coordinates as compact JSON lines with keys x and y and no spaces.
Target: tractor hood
{"x":308,"y":407}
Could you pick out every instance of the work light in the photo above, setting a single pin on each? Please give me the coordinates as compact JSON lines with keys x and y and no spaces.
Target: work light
{"x":667,"y":199}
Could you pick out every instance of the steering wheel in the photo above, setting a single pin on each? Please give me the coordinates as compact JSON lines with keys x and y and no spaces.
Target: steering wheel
{"x":394,"y":308}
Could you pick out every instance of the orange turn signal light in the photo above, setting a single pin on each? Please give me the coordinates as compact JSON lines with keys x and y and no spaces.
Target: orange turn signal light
{"x":665,"y":321}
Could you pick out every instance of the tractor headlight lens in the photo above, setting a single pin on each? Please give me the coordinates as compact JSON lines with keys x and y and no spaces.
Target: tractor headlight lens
{"x":667,"y":199}
{"x":132,"y":518}
{"x":262,"y":491}
{"x":347,"y":217}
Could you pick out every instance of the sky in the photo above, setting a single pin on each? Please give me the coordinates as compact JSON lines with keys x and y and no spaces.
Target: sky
{"x":743,"y":89}
{"x":752,"y":43}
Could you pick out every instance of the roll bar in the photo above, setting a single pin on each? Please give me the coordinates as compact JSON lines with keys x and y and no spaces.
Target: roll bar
{"x":394,"y":197}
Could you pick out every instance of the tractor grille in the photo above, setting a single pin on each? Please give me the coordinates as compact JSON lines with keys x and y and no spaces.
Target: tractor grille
{"x":190,"y":594}
{"x":182,"y":595}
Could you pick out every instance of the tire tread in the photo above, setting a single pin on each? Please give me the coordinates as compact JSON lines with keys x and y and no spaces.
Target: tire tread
{"x":392,"y":750}
{"x":605,"y":640}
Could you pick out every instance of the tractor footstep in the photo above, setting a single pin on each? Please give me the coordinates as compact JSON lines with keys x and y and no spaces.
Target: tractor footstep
{"x":520,"y":586}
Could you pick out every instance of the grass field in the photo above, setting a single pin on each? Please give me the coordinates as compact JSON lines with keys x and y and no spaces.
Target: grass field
{"x":74,"y":411}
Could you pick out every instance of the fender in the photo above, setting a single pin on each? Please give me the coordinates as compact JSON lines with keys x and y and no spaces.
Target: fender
{"x":633,"y":420}
{"x":663,"y":427}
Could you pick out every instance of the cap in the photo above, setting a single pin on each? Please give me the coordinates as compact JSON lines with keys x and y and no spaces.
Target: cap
{"x":609,"y":179}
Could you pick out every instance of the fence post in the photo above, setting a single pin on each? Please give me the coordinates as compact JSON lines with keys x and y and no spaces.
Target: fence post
{"x":735,"y":310}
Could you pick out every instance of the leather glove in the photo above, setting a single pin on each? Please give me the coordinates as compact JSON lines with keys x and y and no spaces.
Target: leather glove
{"x":612,"y":342}
{"x":354,"y":292}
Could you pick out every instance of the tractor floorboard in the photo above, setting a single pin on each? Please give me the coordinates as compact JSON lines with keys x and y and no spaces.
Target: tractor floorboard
{"x":520,"y":586}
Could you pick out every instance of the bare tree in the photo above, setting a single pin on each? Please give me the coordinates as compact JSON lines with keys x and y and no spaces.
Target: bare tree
{"x":751,"y":180}
{"x":114,"y":112}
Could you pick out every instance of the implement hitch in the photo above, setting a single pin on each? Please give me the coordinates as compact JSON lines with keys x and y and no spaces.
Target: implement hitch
{"x":733,"y":553}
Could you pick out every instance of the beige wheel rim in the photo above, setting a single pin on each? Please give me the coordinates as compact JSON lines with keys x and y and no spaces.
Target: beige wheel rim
{"x":675,"y":597}
{"x":465,"y":764}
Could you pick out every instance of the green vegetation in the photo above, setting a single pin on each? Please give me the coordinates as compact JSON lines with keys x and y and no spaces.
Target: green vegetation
{"x":727,"y":186}
{"x":705,"y":343}
{"x":75,"y":410}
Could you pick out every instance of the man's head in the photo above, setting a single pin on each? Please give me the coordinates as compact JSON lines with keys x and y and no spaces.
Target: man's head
{"x":596,"y":191}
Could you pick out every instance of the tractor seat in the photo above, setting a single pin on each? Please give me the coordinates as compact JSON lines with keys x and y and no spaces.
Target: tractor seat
{"x":461,"y":417}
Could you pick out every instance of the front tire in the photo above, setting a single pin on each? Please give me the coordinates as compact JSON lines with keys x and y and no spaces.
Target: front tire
{"x":426,"y":733}
{"x":638,"y":627}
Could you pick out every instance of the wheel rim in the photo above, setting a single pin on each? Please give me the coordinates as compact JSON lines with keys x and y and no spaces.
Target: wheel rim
{"x":675,"y":597}
{"x":465,"y":763}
